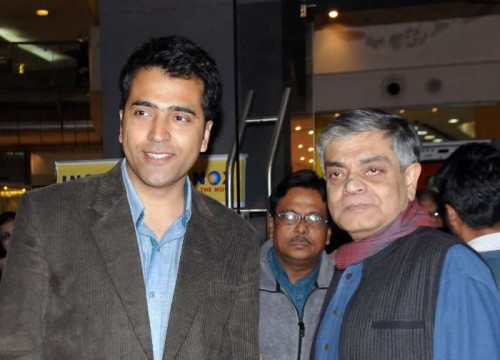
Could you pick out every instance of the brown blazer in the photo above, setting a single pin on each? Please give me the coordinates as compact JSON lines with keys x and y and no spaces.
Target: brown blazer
{"x":73,"y":285}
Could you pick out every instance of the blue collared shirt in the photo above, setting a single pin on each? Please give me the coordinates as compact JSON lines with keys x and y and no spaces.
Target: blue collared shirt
{"x":160,"y":261}
{"x":298,"y":292}
{"x":467,"y":313}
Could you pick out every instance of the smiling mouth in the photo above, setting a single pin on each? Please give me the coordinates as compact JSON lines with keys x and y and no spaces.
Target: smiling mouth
{"x":158,"y":156}
{"x":357,"y":207}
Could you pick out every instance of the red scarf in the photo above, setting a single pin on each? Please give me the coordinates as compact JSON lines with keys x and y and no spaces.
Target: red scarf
{"x":407,"y":222}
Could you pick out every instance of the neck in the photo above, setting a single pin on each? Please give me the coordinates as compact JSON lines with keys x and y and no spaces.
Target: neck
{"x":296,"y":270}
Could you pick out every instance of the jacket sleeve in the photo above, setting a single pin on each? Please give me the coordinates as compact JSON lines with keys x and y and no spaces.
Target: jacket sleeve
{"x":241,"y":330}
{"x":24,"y":289}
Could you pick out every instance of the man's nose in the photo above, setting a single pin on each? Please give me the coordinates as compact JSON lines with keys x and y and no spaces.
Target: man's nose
{"x":354,"y":185}
{"x":160,"y":130}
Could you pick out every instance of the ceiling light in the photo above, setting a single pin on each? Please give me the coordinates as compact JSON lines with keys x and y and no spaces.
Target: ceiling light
{"x":311,"y":161}
{"x":300,"y":146}
{"x":302,"y":158}
{"x":438,"y":140}
{"x":434,"y":109}
{"x":337,"y":115}
{"x":453,"y":121}
{"x":311,"y":149}
{"x":5,"y":187}
{"x":422,"y":132}
{"x":298,"y":128}
{"x":429,"y":137}
{"x":42,"y":12}
{"x":333,"y":14}
{"x":402,"y":111}
{"x":311,"y":132}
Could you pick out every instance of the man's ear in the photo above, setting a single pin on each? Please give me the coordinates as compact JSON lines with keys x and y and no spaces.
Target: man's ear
{"x":270,"y":226}
{"x":206,"y":135}
{"x":453,"y":219}
{"x":120,"y":137}
{"x":328,"y":235}
{"x":411,"y":174}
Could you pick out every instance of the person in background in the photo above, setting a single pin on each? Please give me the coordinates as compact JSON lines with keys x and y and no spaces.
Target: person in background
{"x":401,"y":289}
{"x":135,"y":264}
{"x":294,"y":269}
{"x":6,"y":226}
{"x":429,"y":200}
{"x":469,"y":183}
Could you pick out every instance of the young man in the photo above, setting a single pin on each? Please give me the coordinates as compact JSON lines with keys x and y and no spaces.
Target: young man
{"x":469,"y":183}
{"x":294,"y":269}
{"x":403,"y":290}
{"x":136,"y":264}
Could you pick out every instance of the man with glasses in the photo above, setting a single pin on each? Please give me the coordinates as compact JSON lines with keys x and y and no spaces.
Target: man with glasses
{"x":295,"y":271}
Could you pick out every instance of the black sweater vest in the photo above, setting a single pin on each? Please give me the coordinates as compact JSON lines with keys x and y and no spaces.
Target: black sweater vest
{"x":391,"y":314}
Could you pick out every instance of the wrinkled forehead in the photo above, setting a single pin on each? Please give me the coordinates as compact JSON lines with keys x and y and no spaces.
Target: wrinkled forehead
{"x":359,"y":147}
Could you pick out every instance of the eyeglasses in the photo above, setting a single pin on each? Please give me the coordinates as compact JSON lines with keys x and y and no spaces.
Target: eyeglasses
{"x":291,"y":218}
{"x":434,"y":214}
{"x":5,"y":235}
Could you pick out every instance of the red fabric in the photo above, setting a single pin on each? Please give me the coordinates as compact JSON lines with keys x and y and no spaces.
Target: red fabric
{"x":407,"y":222}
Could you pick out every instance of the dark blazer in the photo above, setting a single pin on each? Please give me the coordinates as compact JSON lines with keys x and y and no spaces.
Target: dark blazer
{"x":73,"y":286}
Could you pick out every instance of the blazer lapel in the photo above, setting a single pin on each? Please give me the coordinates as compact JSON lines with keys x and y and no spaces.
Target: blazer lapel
{"x":196,"y":267}
{"x":115,"y":236}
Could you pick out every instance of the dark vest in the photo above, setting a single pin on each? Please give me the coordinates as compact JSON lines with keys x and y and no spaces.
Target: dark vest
{"x":391,"y":314}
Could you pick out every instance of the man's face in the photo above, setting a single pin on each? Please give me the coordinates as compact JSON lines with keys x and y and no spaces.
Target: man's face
{"x":6,"y":233}
{"x":162,"y":129}
{"x":303,"y":243}
{"x":366,"y":188}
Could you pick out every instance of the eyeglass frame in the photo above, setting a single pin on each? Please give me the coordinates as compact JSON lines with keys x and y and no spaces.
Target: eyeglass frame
{"x":299,"y":217}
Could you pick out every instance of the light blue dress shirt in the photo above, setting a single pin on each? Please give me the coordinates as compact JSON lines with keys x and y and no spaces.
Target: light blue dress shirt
{"x":467,"y":323}
{"x":160,"y":261}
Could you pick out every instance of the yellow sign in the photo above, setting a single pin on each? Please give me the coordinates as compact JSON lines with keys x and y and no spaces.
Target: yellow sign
{"x":72,"y":170}
{"x":209,"y":176}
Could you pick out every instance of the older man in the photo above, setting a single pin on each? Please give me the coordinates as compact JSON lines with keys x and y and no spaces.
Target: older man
{"x":469,"y":183}
{"x":402,"y":290}
{"x":294,"y":269}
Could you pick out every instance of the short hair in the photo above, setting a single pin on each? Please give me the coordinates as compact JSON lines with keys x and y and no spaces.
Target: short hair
{"x":469,"y":181}
{"x":307,"y":179}
{"x":7,"y":216}
{"x":404,"y":139}
{"x":178,"y":57}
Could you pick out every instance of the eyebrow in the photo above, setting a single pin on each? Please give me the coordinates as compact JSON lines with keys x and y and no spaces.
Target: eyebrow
{"x":177,"y":108}
{"x":365,"y":161}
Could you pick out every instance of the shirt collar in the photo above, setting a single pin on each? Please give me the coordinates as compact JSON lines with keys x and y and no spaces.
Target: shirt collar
{"x":135,"y":203}
{"x":484,"y":243}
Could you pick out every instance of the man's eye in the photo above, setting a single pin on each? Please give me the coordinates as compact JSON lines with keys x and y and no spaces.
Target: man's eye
{"x":373,"y":171}
{"x":334,"y":175}
{"x":140,"y":113}
{"x":181,"y":118}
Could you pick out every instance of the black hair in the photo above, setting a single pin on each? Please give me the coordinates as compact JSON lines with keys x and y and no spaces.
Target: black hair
{"x":7,"y":216}
{"x":303,"y":178}
{"x":469,"y":181}
{"x":178,"y":57}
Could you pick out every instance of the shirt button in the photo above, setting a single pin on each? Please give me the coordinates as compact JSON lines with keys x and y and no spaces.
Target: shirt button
{"x":348,"y":276}
{"x":335,"y":312}
{"x":326,"y":347}
{"x":152,"y":294}
{"x":157,"y":249}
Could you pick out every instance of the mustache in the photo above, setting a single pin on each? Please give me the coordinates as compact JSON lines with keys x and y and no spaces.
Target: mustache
{"x":299,"y":240}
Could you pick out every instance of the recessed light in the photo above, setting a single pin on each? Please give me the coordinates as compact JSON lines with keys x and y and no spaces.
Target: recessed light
{"x":302,"y":158}
{"x":311,"y":132}
{"x":453,"y":121}
{"x":311,"y":149}
{"x":298,"y":128}
{"x":333,"y":14}
{"x":5,"y":187}
{"x":434,"y":109}
{"x":42,"y":12}
{"x":311,"y":161}
{"x":429,"y":137}
{"x":300,"y":146}
{"x":422,"y":132}
{"x":402,"y":111}
{"x":437,"y":140}
{"x":337,"y":114}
